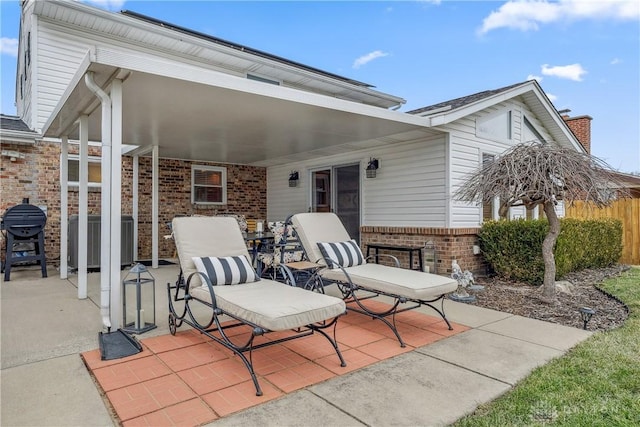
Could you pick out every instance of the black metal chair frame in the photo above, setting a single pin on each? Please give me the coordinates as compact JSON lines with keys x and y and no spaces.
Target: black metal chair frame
{"x":288,"y":244}
{"x":349,"y":291}
{"x":215,"y":329}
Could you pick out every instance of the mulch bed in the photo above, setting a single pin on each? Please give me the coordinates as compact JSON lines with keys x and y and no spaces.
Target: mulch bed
{"x":524,"y":300}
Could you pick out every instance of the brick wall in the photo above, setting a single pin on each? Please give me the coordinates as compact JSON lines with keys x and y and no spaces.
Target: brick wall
{"x":581,"y":128}
{"x":449,"y":244}
{"x":37,"y":177}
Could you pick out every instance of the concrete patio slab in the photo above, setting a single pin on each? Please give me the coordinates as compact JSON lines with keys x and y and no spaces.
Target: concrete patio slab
{"x":496,"y":356}
{"x":54,"y":392}
{"x":471,"y":315}
{"x":409,"y":390}
{"x":44,"y":382}
{"x":43,"y":318}
{"x":538,"y":332}
{"x":302,"y":408}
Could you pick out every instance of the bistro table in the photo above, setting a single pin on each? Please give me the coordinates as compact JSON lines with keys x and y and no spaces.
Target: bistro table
{"x":304,"y":273}
{"x":257,"y":241}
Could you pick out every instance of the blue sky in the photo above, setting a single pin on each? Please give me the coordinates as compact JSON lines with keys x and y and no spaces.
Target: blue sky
{"x":586,"y":54}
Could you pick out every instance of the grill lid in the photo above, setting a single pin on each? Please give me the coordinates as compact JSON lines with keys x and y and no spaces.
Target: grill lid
{"x":24,"y":220}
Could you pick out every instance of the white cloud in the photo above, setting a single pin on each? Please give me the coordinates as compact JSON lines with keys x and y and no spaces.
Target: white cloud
{"x":615,"y":61}
{"x":368,"y":58}
{"x":571,"y":72}
{"x":528,"y":15}
{"x":112,"y":5}
{"x":9,"y":46}
{"x":551,"y":97}
{"x":534,"y":77}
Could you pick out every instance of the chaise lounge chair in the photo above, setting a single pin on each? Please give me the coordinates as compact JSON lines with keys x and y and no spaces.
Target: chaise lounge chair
{"x":217,"y":274}
{"x":326,"y":241}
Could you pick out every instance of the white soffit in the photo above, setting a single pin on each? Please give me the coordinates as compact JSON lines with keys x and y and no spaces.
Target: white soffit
{"x":199,"y":114}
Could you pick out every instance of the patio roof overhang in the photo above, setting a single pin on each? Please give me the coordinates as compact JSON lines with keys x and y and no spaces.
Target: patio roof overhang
{"x":179,"y":109}
{"x":194,"y":113}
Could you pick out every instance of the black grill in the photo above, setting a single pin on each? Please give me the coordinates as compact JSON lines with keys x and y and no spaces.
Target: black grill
{"x":24,"y":228}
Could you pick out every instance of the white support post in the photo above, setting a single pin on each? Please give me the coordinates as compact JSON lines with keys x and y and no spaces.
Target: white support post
{"x":134,"y":213}
{"x":83,"y":210}
{"x":154,"y":203}
{"x":64,"y":207}
{"x":116,"y":202}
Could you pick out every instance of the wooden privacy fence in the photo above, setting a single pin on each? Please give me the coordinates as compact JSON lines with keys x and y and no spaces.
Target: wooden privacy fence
{"x":627,"y":211}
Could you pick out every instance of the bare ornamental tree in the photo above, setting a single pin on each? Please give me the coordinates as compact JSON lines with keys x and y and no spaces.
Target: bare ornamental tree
{"x":533,"y":174}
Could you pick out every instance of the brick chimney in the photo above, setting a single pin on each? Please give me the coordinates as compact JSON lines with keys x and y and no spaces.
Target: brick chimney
{"x":581,"y":128}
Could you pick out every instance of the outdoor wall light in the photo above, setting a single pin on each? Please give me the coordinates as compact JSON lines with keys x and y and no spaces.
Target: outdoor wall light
{"x":585,"y":315}
{"x":372,"y":167}
{"x":293,"y":179}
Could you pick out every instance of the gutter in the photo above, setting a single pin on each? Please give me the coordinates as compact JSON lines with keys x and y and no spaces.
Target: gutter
{"x":105,"y":253}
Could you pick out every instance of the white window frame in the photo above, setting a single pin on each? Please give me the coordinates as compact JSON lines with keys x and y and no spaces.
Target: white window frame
{"x":508,"y":114}
{"x":90,"y":159}
{"x":223,"y":172}
{"x":495,"y":208}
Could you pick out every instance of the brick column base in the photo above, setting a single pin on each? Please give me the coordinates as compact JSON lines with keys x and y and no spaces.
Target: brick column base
{"x":450,"y":244}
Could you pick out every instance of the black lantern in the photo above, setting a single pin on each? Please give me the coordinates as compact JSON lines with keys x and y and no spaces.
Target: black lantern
{"x":139,"y":286}
{"x":585,"y":315}
{"x":293,"y":179}
{"x":372,"y":167}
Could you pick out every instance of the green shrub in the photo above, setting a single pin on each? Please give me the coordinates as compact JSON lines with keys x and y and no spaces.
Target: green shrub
{"x":514,"y":248}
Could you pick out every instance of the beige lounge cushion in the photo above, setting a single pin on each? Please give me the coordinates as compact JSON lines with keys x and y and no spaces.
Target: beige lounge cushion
{"x":317,"y":227}
{"x":206,"y":236}
{"x":396,"y":281}
{"x":273,"y":305}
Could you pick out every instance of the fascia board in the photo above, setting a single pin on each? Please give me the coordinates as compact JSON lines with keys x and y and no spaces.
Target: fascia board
{"x":453,"y":115}
{"x":19,"y":137}
{"x":75,"y":80}
{"x":555,"y":116}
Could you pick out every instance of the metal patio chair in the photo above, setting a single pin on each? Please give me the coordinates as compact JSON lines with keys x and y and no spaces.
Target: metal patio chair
{"x":326,"y":241}
{"x":218,"y":274}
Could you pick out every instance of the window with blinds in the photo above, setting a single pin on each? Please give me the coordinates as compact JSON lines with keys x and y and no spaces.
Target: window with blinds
{"x":208,"y":185}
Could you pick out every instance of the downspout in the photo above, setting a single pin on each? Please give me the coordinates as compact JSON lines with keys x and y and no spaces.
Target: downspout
{"x":105,"y":256}
{"x":397,"y":107}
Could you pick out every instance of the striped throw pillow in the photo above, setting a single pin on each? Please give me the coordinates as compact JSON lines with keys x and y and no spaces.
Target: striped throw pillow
{"x":230,"y":270}
{"x":345,"y":254}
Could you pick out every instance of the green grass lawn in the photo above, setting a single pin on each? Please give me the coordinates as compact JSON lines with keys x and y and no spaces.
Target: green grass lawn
{"x":597,"y":383}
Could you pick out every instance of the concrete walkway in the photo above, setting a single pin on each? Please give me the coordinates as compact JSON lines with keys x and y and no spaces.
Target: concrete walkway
{"x":44,"y":327}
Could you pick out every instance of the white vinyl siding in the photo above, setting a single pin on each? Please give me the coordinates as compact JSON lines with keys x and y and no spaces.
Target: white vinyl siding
{"x":58,"y":59}
{"x":409,"y":189}
{"x":62,"y":48}
{"x":465,"y":154}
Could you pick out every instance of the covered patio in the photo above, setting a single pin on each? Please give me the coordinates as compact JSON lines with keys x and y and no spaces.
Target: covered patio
{"x":165,"y":109}
{"x":438,"y":380}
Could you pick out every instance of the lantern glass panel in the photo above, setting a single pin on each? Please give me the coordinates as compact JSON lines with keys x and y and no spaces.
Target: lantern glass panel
{"x":139,"y":301}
